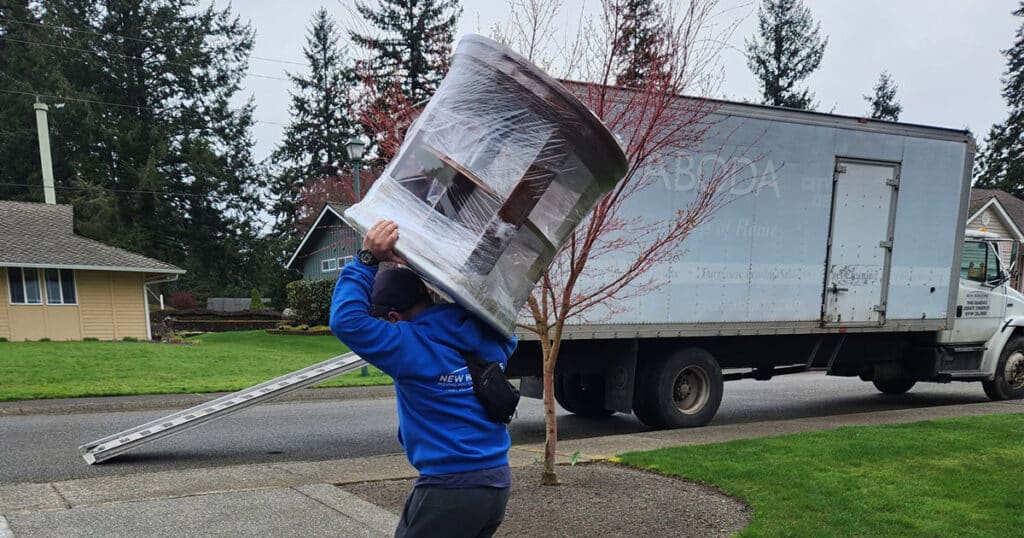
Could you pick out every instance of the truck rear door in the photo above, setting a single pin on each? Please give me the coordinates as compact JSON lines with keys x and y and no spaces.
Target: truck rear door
{"x":860,"y":242}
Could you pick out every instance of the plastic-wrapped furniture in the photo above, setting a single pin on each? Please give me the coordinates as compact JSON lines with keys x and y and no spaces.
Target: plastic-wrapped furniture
{"x":497,"y":171}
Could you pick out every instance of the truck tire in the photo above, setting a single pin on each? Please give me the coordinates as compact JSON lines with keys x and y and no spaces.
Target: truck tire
{"x":582,"y":395}
{"x":1009,"y":380}
{"x":894,"y":386}
{"x":682,"y":390}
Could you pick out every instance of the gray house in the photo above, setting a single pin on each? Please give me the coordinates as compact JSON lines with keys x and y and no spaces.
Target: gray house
{"x":328,"y":245}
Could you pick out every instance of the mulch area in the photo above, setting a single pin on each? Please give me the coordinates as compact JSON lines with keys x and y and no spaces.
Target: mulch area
{"x":597,"y":499}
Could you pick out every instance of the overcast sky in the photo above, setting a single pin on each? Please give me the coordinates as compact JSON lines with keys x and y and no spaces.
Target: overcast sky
{"x":943,"y":54}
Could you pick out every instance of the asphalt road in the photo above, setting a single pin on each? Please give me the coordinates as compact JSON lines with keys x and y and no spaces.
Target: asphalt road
{"x":44,"y":448}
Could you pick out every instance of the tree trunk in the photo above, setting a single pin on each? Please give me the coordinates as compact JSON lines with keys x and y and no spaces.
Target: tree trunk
{"x":549,"y":477}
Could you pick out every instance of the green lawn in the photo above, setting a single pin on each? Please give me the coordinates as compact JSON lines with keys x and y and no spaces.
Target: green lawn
{"x":956,"y":477}
{"x":215,"y":362}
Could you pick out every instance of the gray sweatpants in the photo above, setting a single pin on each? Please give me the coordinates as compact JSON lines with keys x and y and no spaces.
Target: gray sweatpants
{"x":437,"y":512}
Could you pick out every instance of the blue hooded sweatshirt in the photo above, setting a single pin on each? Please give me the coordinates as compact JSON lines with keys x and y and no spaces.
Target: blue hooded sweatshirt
{"x":441,"y":424}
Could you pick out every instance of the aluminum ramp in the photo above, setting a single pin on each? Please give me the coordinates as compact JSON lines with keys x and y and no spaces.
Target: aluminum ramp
{"x":130,"y":439}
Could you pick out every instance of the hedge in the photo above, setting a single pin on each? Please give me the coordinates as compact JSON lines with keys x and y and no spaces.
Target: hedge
{"x":310,"y":300}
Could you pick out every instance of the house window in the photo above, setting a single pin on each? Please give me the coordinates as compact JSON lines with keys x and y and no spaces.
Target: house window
{"x":60,"y":286}
{"x":329,"y":265}
{"x":344,"y":260}
{"x":23,"y":285}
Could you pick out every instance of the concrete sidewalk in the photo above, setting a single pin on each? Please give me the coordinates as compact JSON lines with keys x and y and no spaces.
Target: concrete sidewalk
{"x":303,"y":498}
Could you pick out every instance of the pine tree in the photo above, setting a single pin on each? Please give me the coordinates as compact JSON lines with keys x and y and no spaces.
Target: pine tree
{"x":1001,"y":163}
{"x":413,"y":45}
{"x":323,"y":119}
{"x":785,"y":51}
{"x":146,"y":140}
{"x":884,"y":105}
{"x":638,"y":50}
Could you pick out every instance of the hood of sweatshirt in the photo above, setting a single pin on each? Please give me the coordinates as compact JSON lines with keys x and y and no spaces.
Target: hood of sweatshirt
{"x":453,"y":326}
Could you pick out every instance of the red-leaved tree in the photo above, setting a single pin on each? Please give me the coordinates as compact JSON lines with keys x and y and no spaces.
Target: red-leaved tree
{"x":313,"y":195}
{"x":656,"y":126}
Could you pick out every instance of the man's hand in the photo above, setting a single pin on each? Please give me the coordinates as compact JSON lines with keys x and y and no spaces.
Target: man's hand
{"x":380,"y":240}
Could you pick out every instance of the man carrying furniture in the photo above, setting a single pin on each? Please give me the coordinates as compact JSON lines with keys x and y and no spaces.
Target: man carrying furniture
{"x":391,"y":322}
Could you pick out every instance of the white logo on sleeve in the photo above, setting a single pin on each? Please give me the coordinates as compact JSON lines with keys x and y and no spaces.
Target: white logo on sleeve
{"x":458,"y":380}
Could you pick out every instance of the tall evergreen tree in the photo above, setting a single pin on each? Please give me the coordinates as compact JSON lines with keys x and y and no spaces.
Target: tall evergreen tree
{"x":323,"y":119}
{"x":412,"y":44}
{"x":638,"y":51}
{"x":25,"y":61}
{"x":146,"y":141}
{"x":1001,"y":163}
{"x":785,"y":51}
{"x":884,"y":105}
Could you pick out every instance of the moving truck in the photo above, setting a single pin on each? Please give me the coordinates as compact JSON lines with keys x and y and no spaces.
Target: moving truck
{"x":842,"y":249}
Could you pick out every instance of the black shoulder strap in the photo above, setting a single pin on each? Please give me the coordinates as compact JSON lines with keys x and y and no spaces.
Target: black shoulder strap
{"x":473,"y":358}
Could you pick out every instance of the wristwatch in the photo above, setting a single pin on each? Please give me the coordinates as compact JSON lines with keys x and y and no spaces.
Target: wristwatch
{"x":367,"y":258}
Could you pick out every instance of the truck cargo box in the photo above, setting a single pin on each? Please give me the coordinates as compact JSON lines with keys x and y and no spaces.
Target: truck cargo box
{"x":835,"y":224}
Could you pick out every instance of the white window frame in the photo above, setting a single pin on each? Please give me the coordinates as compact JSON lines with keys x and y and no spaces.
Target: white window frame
{"x":325,"y":265}
{"x":60,"y":284}
{"x":345,"y":260}
{"x":40,"y":285}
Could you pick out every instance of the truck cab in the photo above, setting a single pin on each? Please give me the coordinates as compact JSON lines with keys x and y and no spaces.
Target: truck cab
{"x":986,"y":339}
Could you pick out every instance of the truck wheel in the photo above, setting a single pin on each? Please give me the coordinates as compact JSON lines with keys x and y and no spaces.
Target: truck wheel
{"x":1009,"y":381}
{"x":894,"y":386}
{"x":581,"y":394}
{"x":682,"y":390}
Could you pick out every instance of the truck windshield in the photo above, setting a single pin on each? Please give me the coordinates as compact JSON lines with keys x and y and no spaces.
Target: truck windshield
{"x":979,"y":262}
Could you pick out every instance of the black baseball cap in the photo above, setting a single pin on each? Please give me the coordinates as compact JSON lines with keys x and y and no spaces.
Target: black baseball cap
{"x":396,"y":290}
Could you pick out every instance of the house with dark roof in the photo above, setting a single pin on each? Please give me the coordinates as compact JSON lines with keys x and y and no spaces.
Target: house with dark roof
{"x":327,"y":246}
{"x":1000,"y":213}
{"x":58,"y":285}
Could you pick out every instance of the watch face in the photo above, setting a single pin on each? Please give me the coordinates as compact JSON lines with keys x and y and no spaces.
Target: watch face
{"x":367,"y":257}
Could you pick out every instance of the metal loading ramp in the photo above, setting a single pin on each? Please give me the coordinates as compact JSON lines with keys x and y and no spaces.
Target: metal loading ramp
{"x":132,"y":438}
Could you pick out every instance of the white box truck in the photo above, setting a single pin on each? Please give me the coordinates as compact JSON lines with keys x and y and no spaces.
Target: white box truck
{"x":843,"y":249}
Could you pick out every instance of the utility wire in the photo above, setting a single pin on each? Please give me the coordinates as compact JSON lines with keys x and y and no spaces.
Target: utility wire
{"x":91,"y":101}
{"x":105,"y":103}
{"x":130,"y":191}
{"x":139,"y":39}
{"x":97,"y":53}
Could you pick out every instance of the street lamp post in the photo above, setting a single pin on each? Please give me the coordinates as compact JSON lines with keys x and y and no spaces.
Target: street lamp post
{"x":354,"y":149}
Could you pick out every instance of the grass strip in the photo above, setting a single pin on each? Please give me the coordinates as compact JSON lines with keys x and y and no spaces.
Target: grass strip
{"x":952,"y":477}
{"x":215,"y":362}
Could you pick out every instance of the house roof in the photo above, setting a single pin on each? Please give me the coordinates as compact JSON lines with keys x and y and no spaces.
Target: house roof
{"x":42,"y":235}
{"x":1014,"y":206}
{"x":333,"y":208}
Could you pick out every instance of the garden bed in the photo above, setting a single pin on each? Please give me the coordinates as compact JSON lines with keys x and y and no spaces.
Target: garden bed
{"x":203,"y":320}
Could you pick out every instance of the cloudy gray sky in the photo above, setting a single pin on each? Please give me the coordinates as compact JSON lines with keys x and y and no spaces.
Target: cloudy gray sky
{"x":943,"y":54}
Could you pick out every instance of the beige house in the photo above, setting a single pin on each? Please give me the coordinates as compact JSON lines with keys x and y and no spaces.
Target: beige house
{"x":1000,"y":213}
{"x":58,"y":285}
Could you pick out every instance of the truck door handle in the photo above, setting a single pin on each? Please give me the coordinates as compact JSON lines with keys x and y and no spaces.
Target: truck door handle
{"x":837,"y":289}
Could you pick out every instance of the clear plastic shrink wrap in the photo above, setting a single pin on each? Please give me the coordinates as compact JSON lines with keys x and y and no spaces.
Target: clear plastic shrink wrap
{"x":497,"y":171}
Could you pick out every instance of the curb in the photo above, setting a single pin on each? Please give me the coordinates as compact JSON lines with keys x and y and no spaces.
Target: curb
{"x":149,"y":402}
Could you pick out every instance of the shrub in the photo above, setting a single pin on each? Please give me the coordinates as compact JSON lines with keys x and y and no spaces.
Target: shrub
{"x":310,"y":300}
{"x":183,"y":300}
{"x":43,"y":340}
{"x":130,"y":339}
{"x":90,"y":339}
{"x":2,"y":339}
{"x":256,"y":304}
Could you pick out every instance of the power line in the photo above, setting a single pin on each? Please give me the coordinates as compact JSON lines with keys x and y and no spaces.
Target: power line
{"x":78,"y":99}
{"x":97,"y":53}
{"x":105,"y":103}
{"x":128,"y":191}
{"x":139,"y":39}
